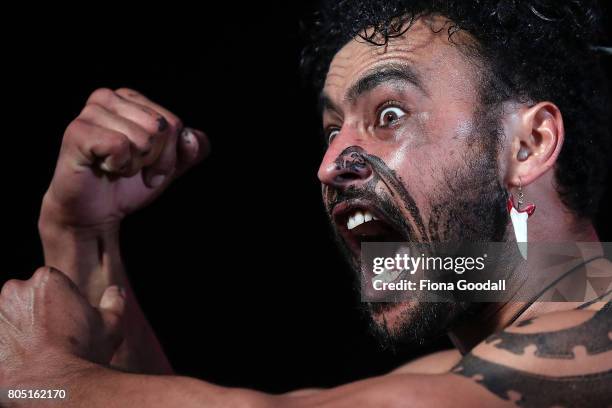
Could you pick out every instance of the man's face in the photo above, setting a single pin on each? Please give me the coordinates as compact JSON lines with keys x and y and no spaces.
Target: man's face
{"x":411,"y":157}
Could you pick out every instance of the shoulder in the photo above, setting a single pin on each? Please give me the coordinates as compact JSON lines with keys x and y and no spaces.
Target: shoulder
{"x":562,"y":358}
{"x":435,"y":363}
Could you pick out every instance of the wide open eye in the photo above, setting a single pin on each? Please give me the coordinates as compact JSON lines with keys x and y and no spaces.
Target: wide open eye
{"x":389,"y":115}
{"x":331,"y":134}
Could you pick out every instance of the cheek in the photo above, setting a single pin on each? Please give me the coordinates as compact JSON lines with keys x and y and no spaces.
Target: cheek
{"x":430,"y":139}
{"x":424,"y":170}
{"x":429,"y":164}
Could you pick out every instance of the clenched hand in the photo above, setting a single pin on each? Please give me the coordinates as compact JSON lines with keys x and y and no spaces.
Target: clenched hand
{"x":46,"y":319}
{"x":116,"y":156}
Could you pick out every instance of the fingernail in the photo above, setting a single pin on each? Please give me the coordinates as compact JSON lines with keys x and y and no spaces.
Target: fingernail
{"x":157,"y":180}
{"x":188,"y":136}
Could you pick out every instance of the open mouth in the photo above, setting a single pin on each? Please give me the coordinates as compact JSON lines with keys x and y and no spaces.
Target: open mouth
{"x":360,"y":221}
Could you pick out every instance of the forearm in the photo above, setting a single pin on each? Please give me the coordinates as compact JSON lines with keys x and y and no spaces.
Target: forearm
{"x":96,"y":386}
{"x":92,"y":259}
{"x":91,"y":385}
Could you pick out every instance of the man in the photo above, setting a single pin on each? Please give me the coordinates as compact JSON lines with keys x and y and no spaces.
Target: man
{"x":433,"y":119}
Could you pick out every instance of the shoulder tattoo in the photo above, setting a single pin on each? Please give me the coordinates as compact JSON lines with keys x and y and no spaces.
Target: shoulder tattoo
{"x":527,"y":389}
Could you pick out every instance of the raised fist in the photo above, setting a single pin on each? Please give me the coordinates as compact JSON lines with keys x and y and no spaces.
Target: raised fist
{"x":117,"y":156}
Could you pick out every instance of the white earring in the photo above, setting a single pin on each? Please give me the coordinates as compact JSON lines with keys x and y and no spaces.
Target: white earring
{"x":519,"y":217}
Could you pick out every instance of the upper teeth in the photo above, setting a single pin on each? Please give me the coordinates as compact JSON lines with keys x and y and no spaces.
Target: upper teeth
{"x":359,"y":218}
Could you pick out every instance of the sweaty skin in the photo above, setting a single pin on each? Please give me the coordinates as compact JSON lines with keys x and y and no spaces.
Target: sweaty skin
{"x":422,"y":134}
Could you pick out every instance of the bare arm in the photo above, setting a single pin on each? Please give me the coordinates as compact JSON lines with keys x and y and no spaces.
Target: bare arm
{"x":96,"y":386}
{"x":117,"y":156}
{"x":561,"y":359}
{"x":93,"y":261}
{"x":436,"y":363}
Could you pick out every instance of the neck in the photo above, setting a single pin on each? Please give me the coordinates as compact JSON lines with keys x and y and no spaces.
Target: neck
{"x":494,"y":317}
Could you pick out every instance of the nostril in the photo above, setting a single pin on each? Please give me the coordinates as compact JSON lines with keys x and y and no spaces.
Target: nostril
{"x":348,"y":168}
{"x":359,"y":165}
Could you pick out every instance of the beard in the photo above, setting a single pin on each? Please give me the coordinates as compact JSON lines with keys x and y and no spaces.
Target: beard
{"x":469,"y":205}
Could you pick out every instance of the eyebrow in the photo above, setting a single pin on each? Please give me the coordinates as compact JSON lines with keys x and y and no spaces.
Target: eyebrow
{"x":383,"y":74}
{"x":373,"y":79}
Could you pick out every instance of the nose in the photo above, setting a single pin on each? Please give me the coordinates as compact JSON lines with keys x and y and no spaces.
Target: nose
{"x":344,"y":169}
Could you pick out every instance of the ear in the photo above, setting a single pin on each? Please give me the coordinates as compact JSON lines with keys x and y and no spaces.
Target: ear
{"x":536,"y":136}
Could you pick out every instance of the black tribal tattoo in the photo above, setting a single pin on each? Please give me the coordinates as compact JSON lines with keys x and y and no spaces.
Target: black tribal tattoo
{"x":461,"y":210}
{"x":595,"y":335}
{"x":534,"y":390}
{"x":537,"y":391}
{"x":395,"y":186}
{"x":356,"y":159}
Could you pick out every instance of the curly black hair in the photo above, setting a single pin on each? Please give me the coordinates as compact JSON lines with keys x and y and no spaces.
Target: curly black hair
{"x":533,"y":50}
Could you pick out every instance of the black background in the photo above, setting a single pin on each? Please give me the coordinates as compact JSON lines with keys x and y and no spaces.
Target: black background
{"x":235,"y":264}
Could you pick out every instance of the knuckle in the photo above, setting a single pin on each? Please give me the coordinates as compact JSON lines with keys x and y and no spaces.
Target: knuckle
{"x":127,"y":92}
{"x":10,"y":288}
{"x":156,"y":123}
{"x":101,"y":95}
{"x":75,"y":127}
{"x":90,"y":110}
{"x":162,"y":124}
{"x":153,"y":123}
{"x":42,"y":274}
{"x":142,"y":141}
